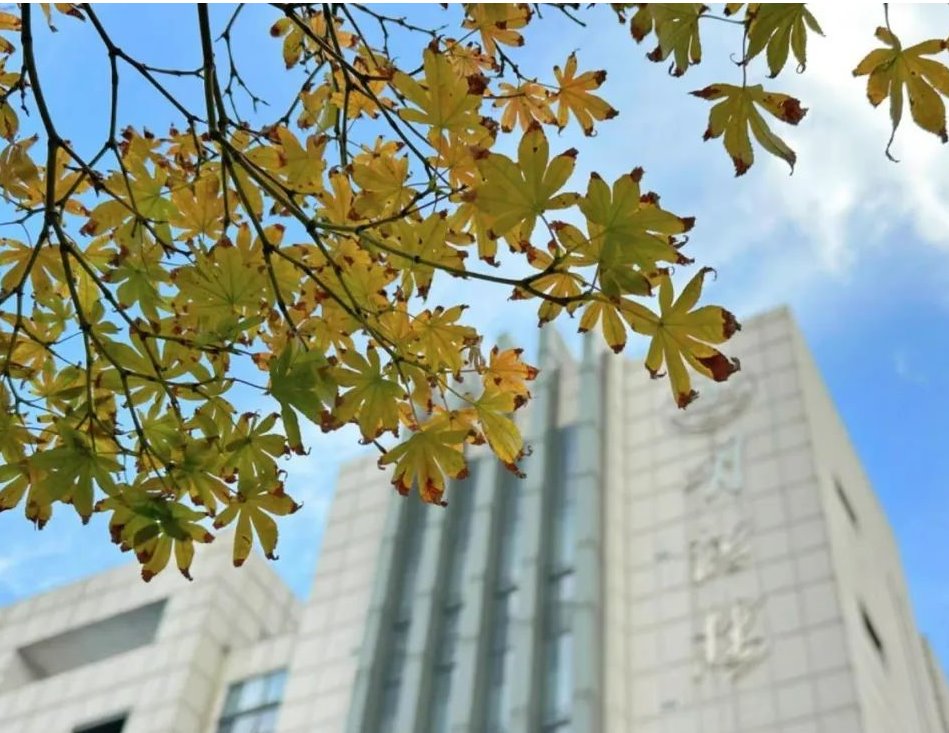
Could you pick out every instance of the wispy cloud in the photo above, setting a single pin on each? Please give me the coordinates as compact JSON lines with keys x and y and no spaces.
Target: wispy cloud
{"x":908,"y":369}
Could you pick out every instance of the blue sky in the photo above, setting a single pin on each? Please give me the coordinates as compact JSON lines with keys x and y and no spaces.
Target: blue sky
{"x":857,"y":245}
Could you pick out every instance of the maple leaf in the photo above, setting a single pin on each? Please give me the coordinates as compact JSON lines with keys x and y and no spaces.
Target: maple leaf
{"x":893,"y":68}
{"x":194,"y":469}
{"x":21,"y":479}
{"x":9,"y":122}
{"x":226,"y":283}
{"x":556,"y":278}
{"x":250,"y":448}
{"x":515,"y":194}
{"x":372,"y":402}
{"x":610,"y":312}
{"x":507,"y":373}
{"x":19,"y":260}
{"x":300,"y":380}
{"x":74,"y":467}
{"x":468,"y":60}
{"x":427,"y":241}
{"x":573,"y":96}
{"x":443,"y":99}
{"x":628,"y":229}
{"x":139,"y":193}
{"x":254,"y":508}
{"x":493,"y":409}
{"x":782,"y":28}
{"x":677,"y":30}
{"x":497,"y":23}
{"x":430,"y":453}
{"x":683,"y":336}
{"x":199,"y":209}
{"x":299,"y":168}
{"x":178,"y":533}
{"x":524,"y":105}
{"x":738,"y":112}
{"x":439,"y":339}
{"x":153,"y":527}
{"x":19,"y":175}
{"x":382,"y":177}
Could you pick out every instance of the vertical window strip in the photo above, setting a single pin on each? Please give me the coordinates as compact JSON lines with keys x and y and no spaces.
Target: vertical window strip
{"x":559,"y":593}
{"x":402,"y":592}
{"x":458,"y":528}
{"x":500,"y":659}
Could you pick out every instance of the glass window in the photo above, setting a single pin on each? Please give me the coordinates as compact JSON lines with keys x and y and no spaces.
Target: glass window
{"x":251,"y":705}
{"x":458,"y":532}
{"x":559,"y":592}
{"x":559,"y":670}
{"x":402,"y":593}
{"x":459,"y":529}
{"x":500,"y":660}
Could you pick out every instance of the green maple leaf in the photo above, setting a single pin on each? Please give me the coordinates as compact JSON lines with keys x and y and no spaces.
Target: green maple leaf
{"x":515,"y":194}
{"x":372,"y":401}
{"x":629,"y":229}
{"x":443,"y":99}
{"x":781,"y":28}
{"x":250,"y":448}
{"x":677,"y":29}
{"x":300,"y":380}
{"x":73,"y":468}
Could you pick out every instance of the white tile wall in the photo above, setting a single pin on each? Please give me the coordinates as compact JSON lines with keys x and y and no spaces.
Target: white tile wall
{"x":169,"y":686}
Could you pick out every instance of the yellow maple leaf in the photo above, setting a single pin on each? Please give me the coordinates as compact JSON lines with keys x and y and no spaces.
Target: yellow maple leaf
{"x":507,"y":372}
{"x":892,"y":68}
{"x":254,"y":507}
{"x":524,"y":105}
{"x":613,"y":329}
{"x":574,"y":97}
{"x":494,"y":408}
{"x":738,"y":112}
{"x":516,"y":194}
{"x":443,"y":99}
{"x":683,"y":336}
{"x":431,"y":452}
{"x":497,"y":23}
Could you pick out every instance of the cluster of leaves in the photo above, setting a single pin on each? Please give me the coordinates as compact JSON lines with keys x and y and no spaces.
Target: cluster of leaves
{"x":167,"y":277}
{"x":780,"y":30}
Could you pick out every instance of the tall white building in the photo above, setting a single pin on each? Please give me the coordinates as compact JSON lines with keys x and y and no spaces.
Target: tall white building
{"x":726,"y":569}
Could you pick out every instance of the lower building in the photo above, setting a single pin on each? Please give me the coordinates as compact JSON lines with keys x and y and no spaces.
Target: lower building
{"x":724,"y":569}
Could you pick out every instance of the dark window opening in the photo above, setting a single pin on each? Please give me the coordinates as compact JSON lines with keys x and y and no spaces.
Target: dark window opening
{"x":93,"y":642}
{"x":845,"y":500}
{"x":872,"y":633}
{"x":113,"y":725}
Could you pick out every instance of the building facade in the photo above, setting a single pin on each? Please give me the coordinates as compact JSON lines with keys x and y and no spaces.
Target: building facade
{"x":724,"y":569}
